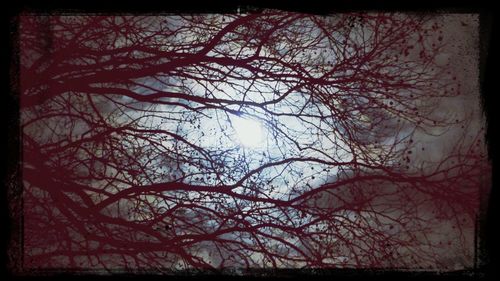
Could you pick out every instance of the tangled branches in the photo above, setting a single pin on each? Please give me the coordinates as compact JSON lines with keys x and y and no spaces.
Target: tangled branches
{"x":131,"y":158}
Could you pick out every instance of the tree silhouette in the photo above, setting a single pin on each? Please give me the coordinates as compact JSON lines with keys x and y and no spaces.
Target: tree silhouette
{"x":131,"y":158}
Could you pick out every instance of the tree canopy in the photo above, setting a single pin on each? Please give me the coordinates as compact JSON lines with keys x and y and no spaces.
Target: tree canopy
{"x":133,"y":157}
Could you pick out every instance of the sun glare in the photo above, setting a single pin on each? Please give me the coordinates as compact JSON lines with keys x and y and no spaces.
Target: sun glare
{"x":248,"y":132}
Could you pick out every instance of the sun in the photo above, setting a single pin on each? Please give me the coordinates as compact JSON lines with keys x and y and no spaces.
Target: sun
{"x":248,"y":132}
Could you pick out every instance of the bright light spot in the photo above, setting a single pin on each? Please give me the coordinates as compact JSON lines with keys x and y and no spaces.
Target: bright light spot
{"x":249,"y":132}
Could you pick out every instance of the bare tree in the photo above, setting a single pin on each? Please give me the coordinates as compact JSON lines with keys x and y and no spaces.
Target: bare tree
{"x":259,"y":140}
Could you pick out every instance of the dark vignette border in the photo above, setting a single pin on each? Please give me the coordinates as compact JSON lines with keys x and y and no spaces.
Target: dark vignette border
{"x":11,"y":197}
